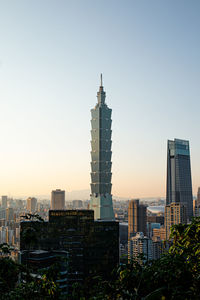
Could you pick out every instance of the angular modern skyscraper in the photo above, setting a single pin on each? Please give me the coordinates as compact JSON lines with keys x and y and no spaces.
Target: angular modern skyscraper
{"x":179,"y":182}
{"x":101,"y":198}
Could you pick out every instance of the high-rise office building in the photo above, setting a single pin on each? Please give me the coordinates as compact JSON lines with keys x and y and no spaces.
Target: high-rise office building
{"x":196,"y":205}
{"x":140,"y":244}
{"x":175,"y":213}
{"x":196,"y":208}
{"x":9,"y":214}
{"x":31,"y":204}
{"x":137,"y":219}
{"x":158,"y":249}
{"x":159,"y":234}
{"x":58,"y":199}
{"x":198,"y":196}
{"x":92,"y":245}
{"x":9,"y":236}
{"x":101,"y":198}
{"x":179,"y":182}
{"x":4,"y":201}
{"x":3,"y":234}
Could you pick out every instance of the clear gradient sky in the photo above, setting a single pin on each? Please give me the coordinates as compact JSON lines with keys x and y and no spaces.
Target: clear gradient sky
{"x":51,"y":57}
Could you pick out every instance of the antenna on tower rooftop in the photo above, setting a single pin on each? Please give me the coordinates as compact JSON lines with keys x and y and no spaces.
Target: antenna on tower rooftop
{"x":101,"y":80}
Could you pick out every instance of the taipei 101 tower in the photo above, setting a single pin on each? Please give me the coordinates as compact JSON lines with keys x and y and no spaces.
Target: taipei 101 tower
{"x":101,"y":198}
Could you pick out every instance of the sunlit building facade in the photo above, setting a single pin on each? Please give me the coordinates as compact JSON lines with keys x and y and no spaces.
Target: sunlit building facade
{"x":58,"y":199}
{"x":31,"y":204}
{"x":137,"y":218}
{"x":175,"y":213}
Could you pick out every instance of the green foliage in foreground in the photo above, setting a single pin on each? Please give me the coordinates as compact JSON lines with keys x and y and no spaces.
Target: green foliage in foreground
{"x":42,"y":287}
{"x":175,"y":276}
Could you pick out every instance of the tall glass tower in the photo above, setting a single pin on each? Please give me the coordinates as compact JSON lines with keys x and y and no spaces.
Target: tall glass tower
{"x":101,"y":198}
{"x":179,"y":182}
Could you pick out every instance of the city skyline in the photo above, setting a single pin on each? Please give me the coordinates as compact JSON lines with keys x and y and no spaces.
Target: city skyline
{"x":49,"y":70}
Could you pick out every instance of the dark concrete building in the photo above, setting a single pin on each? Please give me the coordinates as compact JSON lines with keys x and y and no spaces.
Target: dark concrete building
{"x":123,"y":233}
{"x":92,"y":246}
{"x":41,"y":260}
{"x":155,"y":219}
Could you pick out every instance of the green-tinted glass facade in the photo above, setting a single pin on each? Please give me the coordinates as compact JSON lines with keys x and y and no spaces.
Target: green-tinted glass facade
{"x":101,"y":198}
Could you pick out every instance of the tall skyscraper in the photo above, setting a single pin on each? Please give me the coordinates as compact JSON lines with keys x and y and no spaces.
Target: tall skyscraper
{"x":58,"y":199}
{"x":196,"y":205}
{"x":31,"y":204}
{"x":9,"y":214}
{"x":196,"y":208}
{"x":4,"y":201}
{"x":179,"y":182}
{"x":101,"y":198}
{"x":137,"y":219}
{"x":198,"y":196}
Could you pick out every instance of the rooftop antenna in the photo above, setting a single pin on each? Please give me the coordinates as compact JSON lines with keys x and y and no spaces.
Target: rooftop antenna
{"x":101,"y":80}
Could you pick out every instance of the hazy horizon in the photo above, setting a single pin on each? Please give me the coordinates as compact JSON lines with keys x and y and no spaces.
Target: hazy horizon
{"x":74,"y":195}
{"x":51,"y":57}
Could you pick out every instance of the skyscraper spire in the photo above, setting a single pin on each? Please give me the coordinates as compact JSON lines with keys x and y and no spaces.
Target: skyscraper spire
{"x":101,"y":197}
{"x":101,"y":95}
{"x":101,"y":80}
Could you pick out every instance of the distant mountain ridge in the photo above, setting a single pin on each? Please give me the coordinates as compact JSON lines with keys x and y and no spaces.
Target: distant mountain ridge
{"x":84,"y":195}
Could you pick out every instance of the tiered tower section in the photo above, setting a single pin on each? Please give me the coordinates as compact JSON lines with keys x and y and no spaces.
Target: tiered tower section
{"x":101,"y":198}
